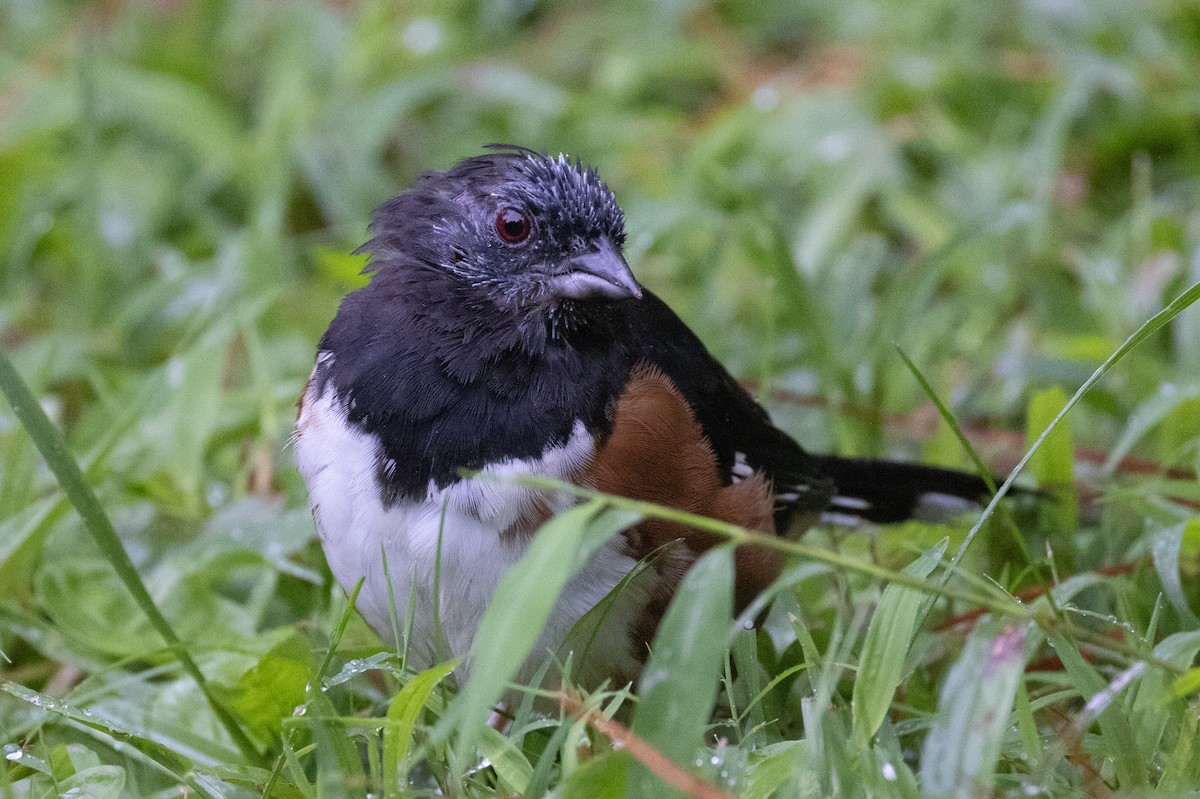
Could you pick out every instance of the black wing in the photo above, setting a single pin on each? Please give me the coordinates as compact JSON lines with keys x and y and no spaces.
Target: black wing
{"x":805,"y":485}
{"x":742,"y":435}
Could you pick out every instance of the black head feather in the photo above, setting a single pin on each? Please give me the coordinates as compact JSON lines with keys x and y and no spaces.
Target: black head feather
{"x":447,"y":222}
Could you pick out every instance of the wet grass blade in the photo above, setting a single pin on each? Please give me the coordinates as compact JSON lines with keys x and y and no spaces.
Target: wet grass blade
{"x":402,"y":715}
{"x":1117,"y":735}
{"x":976,"y":701}
{"x":881,"y":665}
{"x":513,"y":621}
{"x":164,"y":756}
{"x":678,"y":687}
{"x":60,"y":460}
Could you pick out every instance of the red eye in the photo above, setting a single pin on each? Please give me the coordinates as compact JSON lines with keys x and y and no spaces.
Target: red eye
{"x":512,"y":226}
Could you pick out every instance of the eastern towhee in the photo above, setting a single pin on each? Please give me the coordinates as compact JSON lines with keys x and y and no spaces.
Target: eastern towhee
{"x":502,"y":332}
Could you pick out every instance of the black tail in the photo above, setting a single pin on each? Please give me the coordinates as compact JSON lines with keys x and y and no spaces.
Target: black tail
{"x":888,"y":491}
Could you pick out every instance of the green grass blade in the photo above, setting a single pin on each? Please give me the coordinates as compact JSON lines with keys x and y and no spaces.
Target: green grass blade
{"x":66,"y":470}
{"x":402,"y":716}
{"x":1117,"y":737}
{"x":340,"y":773}
{"x":315,"y":686}
{"x":962,"y":749}
{"x":523,"y":600}
{"x":1054,"y":469}
{"x":166,"y":758}
{"x":990,"y":597}
{"x":1182,"y":770}
{"x":948,"y":417}
{"x":510,"y":764}
{"x":980,"y":467}
{"x":1167,"y":547}
{"x":678,"y":687}
{"x":336,"y":638}
{"x":885,"y":651}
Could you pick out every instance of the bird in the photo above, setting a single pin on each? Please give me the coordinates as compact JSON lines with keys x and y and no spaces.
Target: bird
{"x":502,"y":333}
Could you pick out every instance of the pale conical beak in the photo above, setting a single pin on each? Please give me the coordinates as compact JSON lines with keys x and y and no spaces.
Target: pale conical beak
{"x":599,"y":274}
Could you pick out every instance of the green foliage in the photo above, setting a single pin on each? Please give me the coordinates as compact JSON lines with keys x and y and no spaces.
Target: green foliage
{"x":678,"y":686}
{"x":513,"y":622}
{"x":976,"y":699}
{"x":881,"y":664}
{"x":1005,"y":193}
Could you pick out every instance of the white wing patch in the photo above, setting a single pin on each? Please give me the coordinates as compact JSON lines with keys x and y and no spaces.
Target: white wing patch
{"x":741,"y":469}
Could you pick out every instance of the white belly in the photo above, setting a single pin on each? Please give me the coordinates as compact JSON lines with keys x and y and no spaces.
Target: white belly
{"x":338,"y":464}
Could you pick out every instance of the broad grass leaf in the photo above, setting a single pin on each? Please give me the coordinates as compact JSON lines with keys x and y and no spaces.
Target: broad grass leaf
{"x":603,"y":777}
{"x":18,"y":472}
{"x":679,"y":684}
{"x":85,"y":601}
{"x":1188,"y":682}
{"x":1054,"y":463}
{"x":165,"y":753}
{"x":885,"y":651}
{"x":196,"y":409}
{"x":250,"y":777}
{"x":747,"y":688}
{"x":510,"y":764}
{"x":98,"y":782}
{"x":22,"y":535}
{"x":773,"y":766}
{"x":1181,"y":773}
{"x":271,"y":690}
{"x":1180,"y":429}
{"x":1153,"y":706}
{"x":523,"y":600}
{"x":960,"y":755}
{"x":402,"y":716}
{"x":1023,"y":712}
{"x":578,"y":643}
{"x":1168,"y":401}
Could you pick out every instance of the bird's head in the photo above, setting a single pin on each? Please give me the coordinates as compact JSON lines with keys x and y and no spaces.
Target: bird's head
{"x":530,"y":232}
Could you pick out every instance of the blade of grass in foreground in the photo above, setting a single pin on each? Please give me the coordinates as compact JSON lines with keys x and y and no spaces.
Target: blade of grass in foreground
{"x":964,"y":744}
{"x":678,"y":687}
{"x":66,"y":470}
{"x":402,"y":715}
{"x":981,"y":468}
{"x":315,"y":686}
{"x":889,"y":637}
{"x":518,"y":611}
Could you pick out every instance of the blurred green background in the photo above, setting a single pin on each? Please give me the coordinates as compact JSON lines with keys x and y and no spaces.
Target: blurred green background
{"x":1006,"y":190}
